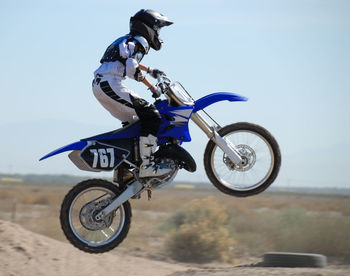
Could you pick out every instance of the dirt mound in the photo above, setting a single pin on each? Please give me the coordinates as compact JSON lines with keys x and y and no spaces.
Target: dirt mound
{"x":26,"y":253}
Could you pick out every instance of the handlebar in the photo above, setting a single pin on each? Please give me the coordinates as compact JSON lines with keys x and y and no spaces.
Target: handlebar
{"x":162,"y":84}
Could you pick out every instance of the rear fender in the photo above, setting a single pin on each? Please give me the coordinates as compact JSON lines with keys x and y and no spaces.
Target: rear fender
{"x":130,"y":131}
{"x":74,"y":146}
{"x":217,"y":97}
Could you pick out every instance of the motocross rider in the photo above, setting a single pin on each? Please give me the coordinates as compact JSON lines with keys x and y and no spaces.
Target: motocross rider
{"x":122,"y":58}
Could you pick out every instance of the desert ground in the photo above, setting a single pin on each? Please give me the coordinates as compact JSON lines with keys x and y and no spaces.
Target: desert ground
{"x":32,"y":242}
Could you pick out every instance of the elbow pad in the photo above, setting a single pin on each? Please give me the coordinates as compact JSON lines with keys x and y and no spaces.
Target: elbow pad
{"x":138,"y":75}
{"x":132,"y":70}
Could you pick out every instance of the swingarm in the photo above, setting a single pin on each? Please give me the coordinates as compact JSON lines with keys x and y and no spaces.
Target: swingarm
{"x":132,"y":190}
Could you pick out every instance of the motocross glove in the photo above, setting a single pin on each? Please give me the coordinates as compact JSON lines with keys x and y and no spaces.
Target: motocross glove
{"x":156,"y":92}
{"x":154,"y":72}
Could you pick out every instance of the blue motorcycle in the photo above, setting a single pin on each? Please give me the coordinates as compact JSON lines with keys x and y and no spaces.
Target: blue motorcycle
{"x":240,"y":159}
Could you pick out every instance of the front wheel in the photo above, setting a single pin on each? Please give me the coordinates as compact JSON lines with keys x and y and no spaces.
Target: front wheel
{"x":260,"y":153}
{"x":78,"y":216}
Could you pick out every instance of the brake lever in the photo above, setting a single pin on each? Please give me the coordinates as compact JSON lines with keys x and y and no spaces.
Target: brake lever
{"x":161,"y":84}
{"x":162,"y":87}
{"x":160,"y":78}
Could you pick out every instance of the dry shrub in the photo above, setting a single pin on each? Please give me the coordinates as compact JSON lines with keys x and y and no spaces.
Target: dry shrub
{"x":44,"y":197}
{"x":198,"y":233}
{"x":4,"y":194}
{"x":42,"y":200}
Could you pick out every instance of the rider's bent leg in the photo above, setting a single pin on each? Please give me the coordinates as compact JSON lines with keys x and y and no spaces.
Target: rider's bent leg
{"x":115,"y":97}
{"x":126,"y":106}
{"x":150,"y":122}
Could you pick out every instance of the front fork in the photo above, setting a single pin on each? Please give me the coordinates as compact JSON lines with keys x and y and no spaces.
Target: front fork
{"x":227,"y":147}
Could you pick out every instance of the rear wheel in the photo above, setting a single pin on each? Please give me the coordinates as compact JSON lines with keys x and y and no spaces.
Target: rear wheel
{"x":78,"y":216}
{"x":261,"y":160}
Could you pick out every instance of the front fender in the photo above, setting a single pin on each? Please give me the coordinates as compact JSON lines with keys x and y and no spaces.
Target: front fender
{"x":217,"y":97}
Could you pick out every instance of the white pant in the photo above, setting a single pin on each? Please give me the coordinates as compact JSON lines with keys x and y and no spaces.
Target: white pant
{"x":115,"y":97}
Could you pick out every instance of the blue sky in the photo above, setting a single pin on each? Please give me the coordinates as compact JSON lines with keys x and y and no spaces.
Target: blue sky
{"x":290,"y":58}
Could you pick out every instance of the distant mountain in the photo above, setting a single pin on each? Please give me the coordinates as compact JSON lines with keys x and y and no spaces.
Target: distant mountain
{"x":43,"y":178}
{"x":312,"y":190}
{"x":24,"y":143}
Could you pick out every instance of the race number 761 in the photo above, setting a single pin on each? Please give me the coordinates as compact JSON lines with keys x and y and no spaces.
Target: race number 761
{"x":104,"y":156}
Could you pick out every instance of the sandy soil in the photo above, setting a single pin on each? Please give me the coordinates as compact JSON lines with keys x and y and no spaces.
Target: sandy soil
{"x":26,"y":253}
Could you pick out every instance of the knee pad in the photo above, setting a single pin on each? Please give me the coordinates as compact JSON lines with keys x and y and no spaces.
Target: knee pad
{"x":149,"y":116}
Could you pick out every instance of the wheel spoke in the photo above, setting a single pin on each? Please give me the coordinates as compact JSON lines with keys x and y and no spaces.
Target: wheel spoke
{"x":258,"y":155}
{"x":82,"y":214}
{"x":104,"y":233}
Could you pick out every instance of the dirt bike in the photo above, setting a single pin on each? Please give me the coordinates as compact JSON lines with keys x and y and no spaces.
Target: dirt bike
{"x":240,"y":159}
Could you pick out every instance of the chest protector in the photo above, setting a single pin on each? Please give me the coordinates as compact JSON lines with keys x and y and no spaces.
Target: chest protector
{"x":113,"y":51}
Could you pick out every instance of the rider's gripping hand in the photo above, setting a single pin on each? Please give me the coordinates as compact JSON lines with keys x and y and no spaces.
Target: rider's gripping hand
{"x":154,"y":72}
{"x":156,"y":92}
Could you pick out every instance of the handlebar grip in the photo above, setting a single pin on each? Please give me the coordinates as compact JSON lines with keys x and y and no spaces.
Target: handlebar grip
{"x":154,"y":95}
